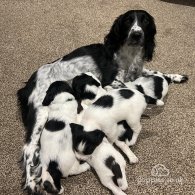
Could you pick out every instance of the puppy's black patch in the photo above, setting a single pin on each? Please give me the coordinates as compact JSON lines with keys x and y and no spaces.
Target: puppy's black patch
{"x":167,"y":79}
{"x":91,"y":139}
{"x":105,"y":101}
{"x":54,"y":89}
{"x":54,"y":125}
{"x":48,"y":187}
{"x":114,"y":166}
{"x":158,"y":86}
{"x":128,"y":131}
{"x":140,"y":88}
{"x":79,"y":84}
{"x":55,"y":174}
{"x":126,"y":93}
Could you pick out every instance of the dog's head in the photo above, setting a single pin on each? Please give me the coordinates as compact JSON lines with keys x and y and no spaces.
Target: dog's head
{"x":58,"y":91}
{"x":85,"y":86}
{"x":135,"y":28}
{"x":84,"y":143}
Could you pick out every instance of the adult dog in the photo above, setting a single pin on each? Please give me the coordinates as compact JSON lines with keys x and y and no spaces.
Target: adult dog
{"x":130,"y":42}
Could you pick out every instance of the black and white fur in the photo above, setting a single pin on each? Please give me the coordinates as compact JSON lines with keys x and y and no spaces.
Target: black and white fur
{"x":56,"y":154}
{"x":87,"y":89}
{"x":87,"y":86}
{"x":115,"y":106}
{"x":128,"y":44}
{"x":155,"y":86}
{"x":109,"y":164}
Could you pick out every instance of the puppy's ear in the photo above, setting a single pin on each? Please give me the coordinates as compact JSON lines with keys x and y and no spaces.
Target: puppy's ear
{"x":98,"y":135}
{"x":77,"y":87}
{"x":48,"y":99}
{"x":77,"y":131}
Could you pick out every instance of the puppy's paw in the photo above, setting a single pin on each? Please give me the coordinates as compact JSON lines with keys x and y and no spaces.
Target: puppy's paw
{"x":122,"y":184}
{"x":61,"y":190}
{"x":132,"y":142}
{"x":177,"y":78}
{"x":160,"y":103}
{"x":86,"y":167}
{"x":133,"y":160}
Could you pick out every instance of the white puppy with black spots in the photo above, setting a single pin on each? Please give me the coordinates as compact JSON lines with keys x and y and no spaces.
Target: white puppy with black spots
{"x":56,"y":154}
{"x":87,"y":88}
{"x":109,"y":164}
{"x":155,"y":85}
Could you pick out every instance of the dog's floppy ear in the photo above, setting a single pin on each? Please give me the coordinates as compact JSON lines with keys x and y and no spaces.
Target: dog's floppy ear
{"x":92,"y":140}
{"x":76,"y":128}
{"x":48,"y":98}
{"x":150,"y":33}
{"x":77,"y":134}
{"x":116,"y":37}
{"x":99,"y":135}
{"x":78,"y":87}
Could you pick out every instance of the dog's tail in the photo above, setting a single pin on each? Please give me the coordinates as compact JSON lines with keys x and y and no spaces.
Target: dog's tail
{"x":151,"y":100}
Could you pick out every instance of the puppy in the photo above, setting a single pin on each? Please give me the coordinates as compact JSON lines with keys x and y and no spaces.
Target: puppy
{"x":57,"y":155}
{"x":155,"y":86}
{"x":108,"y":163}
{"x":87,"y":88}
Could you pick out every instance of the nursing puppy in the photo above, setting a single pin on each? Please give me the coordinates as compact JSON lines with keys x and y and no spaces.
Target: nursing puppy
{"x":155,"y":86}
{"x":56,"y":154}
{"x":87,"y":89}
{"x":115,"y":106}
{"x":108,"y":163}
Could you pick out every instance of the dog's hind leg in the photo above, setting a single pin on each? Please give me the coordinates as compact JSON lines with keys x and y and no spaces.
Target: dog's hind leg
{"x":111,"y":186}
{"x":78,"y":168}
{"x":135,"y":125}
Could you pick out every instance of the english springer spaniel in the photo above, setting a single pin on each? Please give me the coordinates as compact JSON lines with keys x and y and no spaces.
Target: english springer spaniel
{"x":109,"y":164}
{"x":130,"y":42}
{"x":57,"y":156}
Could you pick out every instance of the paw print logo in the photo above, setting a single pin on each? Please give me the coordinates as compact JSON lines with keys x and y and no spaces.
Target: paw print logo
{"x":159,"y":170}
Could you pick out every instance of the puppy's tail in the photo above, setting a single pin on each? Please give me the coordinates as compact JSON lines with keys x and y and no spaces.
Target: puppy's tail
{"x":151,"y":100}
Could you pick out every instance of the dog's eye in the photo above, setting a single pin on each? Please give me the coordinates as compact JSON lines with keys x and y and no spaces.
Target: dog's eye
{"x":145,"y":21}
{"x":128,"y":21}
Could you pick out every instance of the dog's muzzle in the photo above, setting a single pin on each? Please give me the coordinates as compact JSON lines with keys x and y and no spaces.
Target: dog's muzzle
{"x":136,"y":38}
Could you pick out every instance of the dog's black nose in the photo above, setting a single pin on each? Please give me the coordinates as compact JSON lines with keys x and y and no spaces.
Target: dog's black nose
{"x":136,"y":35}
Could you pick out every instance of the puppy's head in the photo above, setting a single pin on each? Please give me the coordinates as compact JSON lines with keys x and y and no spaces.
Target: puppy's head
{"x":85,"y":86}
{"x":135,"y":28}
{"x":85,"y":143}
{"x":58,"y":91}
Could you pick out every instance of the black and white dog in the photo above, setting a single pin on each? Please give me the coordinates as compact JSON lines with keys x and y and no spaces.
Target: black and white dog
{"x":130,"y":42}
{"x":57,"y":156}
{"x":155,"y":86}
{"x":109,"y":164}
